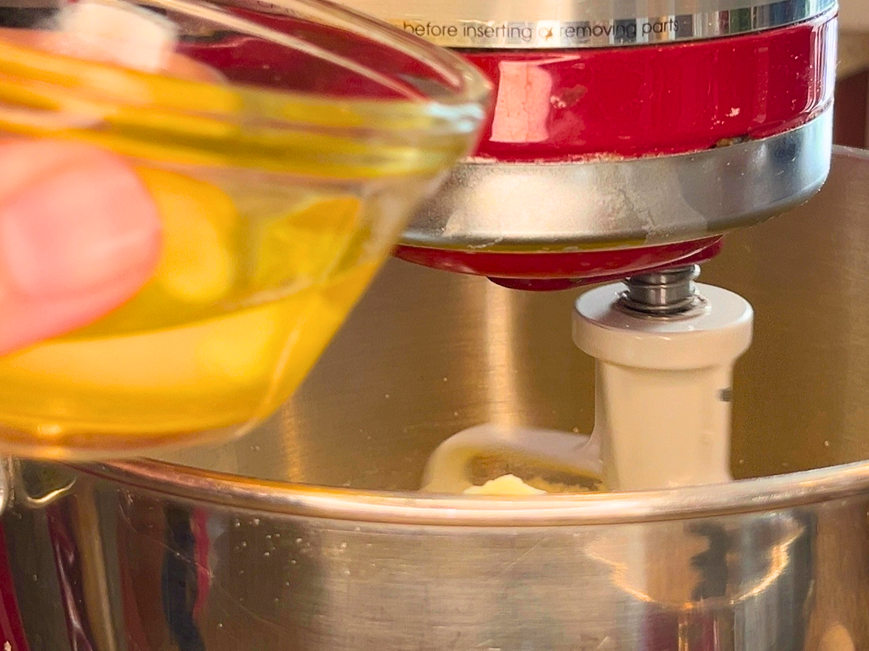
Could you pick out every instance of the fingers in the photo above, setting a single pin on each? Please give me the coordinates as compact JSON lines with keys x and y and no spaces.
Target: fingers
{"x":79,"y":233}
{"x":79,"y":236}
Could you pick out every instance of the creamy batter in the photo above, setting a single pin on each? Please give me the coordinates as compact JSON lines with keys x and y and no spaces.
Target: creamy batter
{"x":505,"y":485}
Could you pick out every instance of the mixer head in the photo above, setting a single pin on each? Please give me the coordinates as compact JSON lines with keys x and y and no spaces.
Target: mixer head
{"x":625,"y":137}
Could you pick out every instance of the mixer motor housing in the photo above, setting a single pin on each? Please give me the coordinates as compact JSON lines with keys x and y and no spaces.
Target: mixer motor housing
{"x":625,"y":137}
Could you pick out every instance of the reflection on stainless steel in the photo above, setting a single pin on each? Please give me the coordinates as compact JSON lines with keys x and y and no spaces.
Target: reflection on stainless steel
{"x":485,"y":205}
{"x":149,"y":557}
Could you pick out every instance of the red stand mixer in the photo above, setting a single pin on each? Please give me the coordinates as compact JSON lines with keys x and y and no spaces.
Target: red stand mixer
{"x":625,"y":136}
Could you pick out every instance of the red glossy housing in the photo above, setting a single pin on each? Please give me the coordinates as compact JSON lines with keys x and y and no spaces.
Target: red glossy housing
{"x":588,"y":104}
{"x":555,"y":271}
{"x":652,"y":100}
{"x":561,"y":105}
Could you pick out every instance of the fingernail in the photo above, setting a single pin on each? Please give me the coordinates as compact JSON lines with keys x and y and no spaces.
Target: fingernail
{"x":78,"y":228}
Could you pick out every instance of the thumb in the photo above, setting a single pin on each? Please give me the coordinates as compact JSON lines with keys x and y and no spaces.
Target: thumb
{"x":79,"y":236}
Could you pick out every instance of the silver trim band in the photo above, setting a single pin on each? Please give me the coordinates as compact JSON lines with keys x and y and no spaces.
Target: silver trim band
{"x":548,"y":24}
{"x":487,"y":206}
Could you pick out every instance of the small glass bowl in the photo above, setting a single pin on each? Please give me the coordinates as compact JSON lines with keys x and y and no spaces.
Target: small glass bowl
{"x":286,"y":144}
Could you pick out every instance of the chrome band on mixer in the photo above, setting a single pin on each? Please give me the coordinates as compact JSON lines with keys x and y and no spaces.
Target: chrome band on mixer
{"x":601,"y":23}
{"x":488,"y":206}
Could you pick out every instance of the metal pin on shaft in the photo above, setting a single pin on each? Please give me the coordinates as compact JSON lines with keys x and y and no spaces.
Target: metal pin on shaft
{"x":662,"y":293}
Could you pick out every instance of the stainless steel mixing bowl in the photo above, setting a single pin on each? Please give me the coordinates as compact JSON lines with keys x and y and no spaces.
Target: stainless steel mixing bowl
{"x":240,"y":551}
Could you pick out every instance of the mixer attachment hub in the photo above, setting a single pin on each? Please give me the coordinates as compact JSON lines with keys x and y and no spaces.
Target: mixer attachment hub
{"x":664,"y":369}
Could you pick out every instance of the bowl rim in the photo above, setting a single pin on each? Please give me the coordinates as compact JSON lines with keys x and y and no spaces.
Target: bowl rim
{"x":770,"y":493}
{"x":311,"y":134}
{"x":470,"y":85}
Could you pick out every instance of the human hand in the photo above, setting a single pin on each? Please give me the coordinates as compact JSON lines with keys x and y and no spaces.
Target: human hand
{"x":79,"y":236}
{"x":79,"y":232}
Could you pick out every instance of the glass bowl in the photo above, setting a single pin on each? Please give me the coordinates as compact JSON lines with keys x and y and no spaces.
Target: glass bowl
{"x":286,"y":144}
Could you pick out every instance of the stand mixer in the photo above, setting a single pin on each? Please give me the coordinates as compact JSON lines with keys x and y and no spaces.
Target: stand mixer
{"x":623,"y":146}
{"x":625,"y":136}
{"x":626,"y":140}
